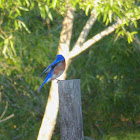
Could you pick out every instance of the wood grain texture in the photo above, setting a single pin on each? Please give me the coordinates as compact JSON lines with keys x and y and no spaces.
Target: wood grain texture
{"x":70,"y":110}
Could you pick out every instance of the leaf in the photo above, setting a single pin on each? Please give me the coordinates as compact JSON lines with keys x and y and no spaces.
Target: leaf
{"x":42,"y":10}
{"x":87,"y":9}
{"x":129,"y":38}
{"x":54,"y":3}
{"x":6,"y":42}
{"x":110,"y":16}
{"x":23,"y":8}
{"x":135,"y":23}
{"x":106,"y":9}
{"x":12,"y":47}
{"x":99,"y":17}
{"x":107,"y":21}
{"x":134,"y":32}
{"x":32,"y":5}
{"x":117,"y":11}
{"x":16,"y":24}
{"x":25,"y":27}
{"x":119,"y":3}
{"x":1,"y":5}
{"x":117,"y":30}
{"x":111,"y":2}
{"x":48,"y":2}
{"x":48,"y":12}
{"x":105,"y":17}
{"x":28,"y":3}
{"x":18,"y":11}
{"x":121,"y":33}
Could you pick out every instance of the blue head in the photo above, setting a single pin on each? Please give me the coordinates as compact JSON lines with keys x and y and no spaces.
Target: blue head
{"x":60,"y":57}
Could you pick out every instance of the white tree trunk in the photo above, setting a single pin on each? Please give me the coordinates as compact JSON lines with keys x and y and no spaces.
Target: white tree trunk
{"x":50,"y":115}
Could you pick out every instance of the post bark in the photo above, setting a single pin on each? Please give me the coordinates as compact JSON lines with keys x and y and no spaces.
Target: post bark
{"x":71,"y":123}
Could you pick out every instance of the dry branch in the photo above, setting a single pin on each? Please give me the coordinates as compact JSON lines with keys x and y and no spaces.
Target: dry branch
{"x":86,"y":29}
{"x":7,"y":118}
{"x":79,"y":49}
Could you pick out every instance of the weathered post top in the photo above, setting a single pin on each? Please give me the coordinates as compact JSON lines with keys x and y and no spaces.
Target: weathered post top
{"x":70,"y":110}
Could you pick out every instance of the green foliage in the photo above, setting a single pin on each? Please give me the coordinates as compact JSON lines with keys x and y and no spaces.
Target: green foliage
{"x":109,"y":73}
{"x":111,"y":11}
{"x":110,"y":89}
{"x":23,"y":56}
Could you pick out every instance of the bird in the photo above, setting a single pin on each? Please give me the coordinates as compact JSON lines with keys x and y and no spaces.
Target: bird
{"x":54,"y":70}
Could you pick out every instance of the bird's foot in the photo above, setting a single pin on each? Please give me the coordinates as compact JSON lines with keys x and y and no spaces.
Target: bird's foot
{"x":58,"y":80}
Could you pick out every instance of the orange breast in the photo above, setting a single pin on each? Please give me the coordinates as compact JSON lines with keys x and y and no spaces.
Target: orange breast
{"x":59,"y":68}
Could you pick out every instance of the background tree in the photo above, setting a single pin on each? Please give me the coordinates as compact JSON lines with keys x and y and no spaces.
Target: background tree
{"x":20,"y":57}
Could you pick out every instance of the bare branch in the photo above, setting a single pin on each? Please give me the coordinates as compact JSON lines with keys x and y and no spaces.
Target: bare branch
{"x":2,"y":115}
{"x":77,"y":49}
{"x":7,"y":118}
{"x":86,"y":29}
{"x":6,"y":106}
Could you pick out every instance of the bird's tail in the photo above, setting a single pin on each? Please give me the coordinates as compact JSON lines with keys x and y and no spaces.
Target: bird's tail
{"x":48,"y":78}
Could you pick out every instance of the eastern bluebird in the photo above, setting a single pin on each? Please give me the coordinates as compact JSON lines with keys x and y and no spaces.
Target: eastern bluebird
{"x":54,"y":70}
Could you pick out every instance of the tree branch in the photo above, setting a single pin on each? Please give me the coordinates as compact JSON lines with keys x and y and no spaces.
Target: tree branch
{"x":2,"y":115}
{"x":7,"y":118}
{"x":79,"y":49}
{"x":6,"y":106}
{"x":86,"y":29}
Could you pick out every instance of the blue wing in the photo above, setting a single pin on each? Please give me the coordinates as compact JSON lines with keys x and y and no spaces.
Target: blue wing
{"x":48,"y":78}
{"x":51,"y":66}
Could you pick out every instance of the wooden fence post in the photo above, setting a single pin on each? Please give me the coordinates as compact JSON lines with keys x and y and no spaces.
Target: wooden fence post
{"x":70,"y":110}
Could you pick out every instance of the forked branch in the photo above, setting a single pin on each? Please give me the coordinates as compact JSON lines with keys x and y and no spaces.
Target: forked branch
{"x":79,"y":49}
